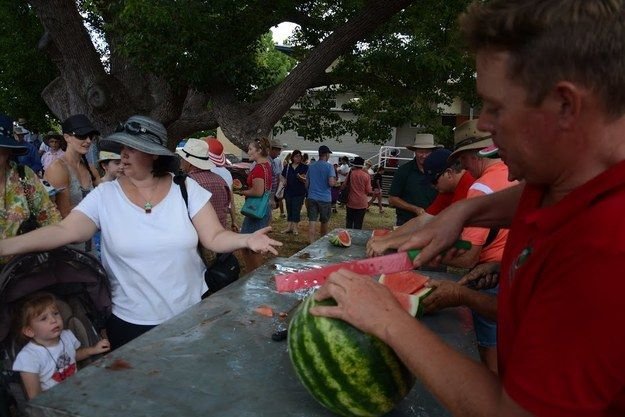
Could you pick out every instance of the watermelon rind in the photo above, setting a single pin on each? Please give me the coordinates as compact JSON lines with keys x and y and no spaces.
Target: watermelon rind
{"x":346,"y":370}
{"x":422,"y":294}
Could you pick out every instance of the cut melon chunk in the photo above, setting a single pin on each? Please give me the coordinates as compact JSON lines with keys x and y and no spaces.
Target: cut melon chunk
{"x":408,"y":282}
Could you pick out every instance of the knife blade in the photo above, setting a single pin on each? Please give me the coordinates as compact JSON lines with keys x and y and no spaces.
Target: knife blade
{"x":386,"y":264}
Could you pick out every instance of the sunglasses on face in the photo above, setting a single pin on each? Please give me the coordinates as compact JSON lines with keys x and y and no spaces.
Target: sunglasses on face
{"x":84,"y":137}
{"x":135,"y":128}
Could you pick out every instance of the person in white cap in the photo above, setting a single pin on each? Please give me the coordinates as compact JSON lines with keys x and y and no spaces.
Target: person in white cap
{"x":411,"y":191}
{"x":111,"y":164}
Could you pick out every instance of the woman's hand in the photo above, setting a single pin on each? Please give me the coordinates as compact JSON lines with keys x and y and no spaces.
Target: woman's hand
{"x":261,"y":243}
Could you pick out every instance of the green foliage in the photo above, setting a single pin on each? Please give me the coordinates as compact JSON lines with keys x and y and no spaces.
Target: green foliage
{"x":209,"y":45}
{"x":24,"y":71}
{"x":399,"y":74}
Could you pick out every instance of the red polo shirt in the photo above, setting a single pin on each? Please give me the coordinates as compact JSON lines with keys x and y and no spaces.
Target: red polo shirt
{"x":561,"y":315}
{"x":444,"y":200}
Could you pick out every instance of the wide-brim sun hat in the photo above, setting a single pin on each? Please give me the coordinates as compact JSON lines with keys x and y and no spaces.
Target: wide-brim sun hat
{"x":195,"y":152}
{"x":53,"y":135}
{"x":7,"y":141}
{"x":423,"y":141}
{"x":143,"y":134}
{"x":468,"y":137}
{"x":216,"y":151}
{"x":358,"y":162}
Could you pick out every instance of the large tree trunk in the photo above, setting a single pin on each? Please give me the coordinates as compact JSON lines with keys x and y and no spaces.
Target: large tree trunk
{"x":85,"y":87}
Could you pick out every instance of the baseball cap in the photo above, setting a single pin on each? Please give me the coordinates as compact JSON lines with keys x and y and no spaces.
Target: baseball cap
{"x":324,"y":149}
{"x":436,"y":163}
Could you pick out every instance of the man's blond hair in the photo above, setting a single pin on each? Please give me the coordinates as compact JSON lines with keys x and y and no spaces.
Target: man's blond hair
{"x":581,"y":41}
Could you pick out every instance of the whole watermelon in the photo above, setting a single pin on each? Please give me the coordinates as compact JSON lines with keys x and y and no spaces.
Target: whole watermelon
{"x":348,"y":371}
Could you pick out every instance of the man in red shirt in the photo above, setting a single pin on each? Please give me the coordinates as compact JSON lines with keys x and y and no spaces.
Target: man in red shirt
{"x":452,"y":183}
{"x":551,"y":78}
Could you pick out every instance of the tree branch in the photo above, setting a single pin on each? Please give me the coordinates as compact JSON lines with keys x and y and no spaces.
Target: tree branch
{"x":374,"y":14}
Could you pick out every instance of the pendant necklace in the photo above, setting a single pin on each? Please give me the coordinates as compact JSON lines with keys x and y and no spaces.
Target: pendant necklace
{"x":62,"y":357}
{"x":148,"y":201}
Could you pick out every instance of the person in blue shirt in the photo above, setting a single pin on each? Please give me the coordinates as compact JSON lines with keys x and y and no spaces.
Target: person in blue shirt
{"x":319,"y":181}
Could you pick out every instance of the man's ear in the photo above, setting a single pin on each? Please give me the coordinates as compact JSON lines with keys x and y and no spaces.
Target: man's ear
{"x":28,"y":332}
{"x":568,"y":99}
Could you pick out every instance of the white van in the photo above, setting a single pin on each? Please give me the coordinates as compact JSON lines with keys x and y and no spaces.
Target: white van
{"x":314,"y":155}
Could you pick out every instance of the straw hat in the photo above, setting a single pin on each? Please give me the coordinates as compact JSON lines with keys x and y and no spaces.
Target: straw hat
{"x":467,"y":137}
{"x":216,"y":151}
{"x":196,"y":152}
{"x":423,"y":141}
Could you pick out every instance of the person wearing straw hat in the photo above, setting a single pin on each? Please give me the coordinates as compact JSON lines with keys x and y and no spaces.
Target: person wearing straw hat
{"x":111,"y":164}
{"x":197,"y":164}
{"x":30,"y":158}
{"x":21,"y":197}
{"x":217,"y":156}
{"x":410,"y":191}
{"x":150,"y":234}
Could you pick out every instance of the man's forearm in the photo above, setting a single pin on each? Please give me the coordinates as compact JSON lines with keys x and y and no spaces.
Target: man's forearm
{"x":481,"y":303}
{"x":493,"y":210}
{"x":399,"y":203}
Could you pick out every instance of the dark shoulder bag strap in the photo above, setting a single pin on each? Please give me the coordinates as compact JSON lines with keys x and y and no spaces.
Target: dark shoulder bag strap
{"x":181,"y":179}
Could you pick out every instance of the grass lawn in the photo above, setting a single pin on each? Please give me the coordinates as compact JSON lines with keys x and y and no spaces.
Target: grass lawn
{"x":292,"y":244}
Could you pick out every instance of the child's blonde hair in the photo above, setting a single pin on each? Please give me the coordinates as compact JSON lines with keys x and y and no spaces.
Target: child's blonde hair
{"x":31,"y":307}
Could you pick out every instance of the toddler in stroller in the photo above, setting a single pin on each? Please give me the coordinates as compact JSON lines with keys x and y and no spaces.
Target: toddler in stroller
{"x":81,"y":290}
{"x":51,"y":354}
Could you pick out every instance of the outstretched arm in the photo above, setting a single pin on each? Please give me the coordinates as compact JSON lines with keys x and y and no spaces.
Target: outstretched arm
{"x":76,"y":227}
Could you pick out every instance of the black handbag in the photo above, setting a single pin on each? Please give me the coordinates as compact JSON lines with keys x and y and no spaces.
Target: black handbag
{"x":30,"y":223}
{"x":225,"y":269}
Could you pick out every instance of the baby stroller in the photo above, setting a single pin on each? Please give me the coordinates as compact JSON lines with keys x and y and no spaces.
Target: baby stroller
{"x":79,"y":282}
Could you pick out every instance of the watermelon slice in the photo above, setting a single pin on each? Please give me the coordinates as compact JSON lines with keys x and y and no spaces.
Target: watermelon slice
{"x":236,"y":184}
{"x":409,"y":282}
{"x":380,"y":232}
{"x":342,"y":239}
{"x":412,"y":303}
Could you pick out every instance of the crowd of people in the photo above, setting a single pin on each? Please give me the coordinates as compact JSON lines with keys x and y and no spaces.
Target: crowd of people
{"x":535,"y":185}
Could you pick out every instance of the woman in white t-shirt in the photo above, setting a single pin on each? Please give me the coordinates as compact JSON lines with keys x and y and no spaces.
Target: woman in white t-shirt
{"x":149,"y":235}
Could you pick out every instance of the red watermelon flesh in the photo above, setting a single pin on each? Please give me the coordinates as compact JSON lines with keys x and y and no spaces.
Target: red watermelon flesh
{"x":408,"y":282}
{"x":409,"y":302}
{"x":380,"y":232}
{"x":344,"y":238}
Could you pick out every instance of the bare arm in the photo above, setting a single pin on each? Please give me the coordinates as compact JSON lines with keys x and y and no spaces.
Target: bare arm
{"x":214,"y":237}
{"x":76,"y":227}
{"x":58,"y":177}
{"x":462,"y":385}
{"x":376,"y":246}
{"x":101,"y":347}
{"x":257,"y":190}
{"x":451,"y":294}
{"x":398,"y":202}
{"x":32,"y":386}
{"x":493,"y":210}
{"x":332,"y":181}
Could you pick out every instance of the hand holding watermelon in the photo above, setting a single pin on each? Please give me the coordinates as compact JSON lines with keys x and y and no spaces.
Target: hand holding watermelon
{"x":446,"y":294}
{"x":362,"y":302}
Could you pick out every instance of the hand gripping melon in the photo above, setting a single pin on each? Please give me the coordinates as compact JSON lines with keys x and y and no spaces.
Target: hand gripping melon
{"x":348,"y":371}
{"x":237,"y":184}
{"x":342,"y":239}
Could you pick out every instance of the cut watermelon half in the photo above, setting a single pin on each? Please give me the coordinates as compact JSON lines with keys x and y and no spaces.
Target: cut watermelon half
{"x":342,"y":239}
{"x":409,"y":282}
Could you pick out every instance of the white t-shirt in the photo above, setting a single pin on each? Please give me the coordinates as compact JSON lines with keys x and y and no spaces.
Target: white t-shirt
{"x":151,"y":259}
{"x":225,"y":174}
{"x":343,"y":170}
{"x":53,"y":364}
